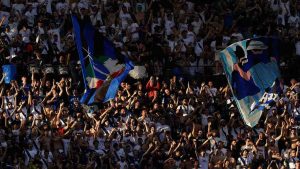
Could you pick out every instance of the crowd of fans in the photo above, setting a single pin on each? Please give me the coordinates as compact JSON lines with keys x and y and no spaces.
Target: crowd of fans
{"x":160,"y":122}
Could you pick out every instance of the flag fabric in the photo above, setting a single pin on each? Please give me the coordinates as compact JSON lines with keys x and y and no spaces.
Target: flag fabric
{"x":83,"y":61}
{"x":10,"y":73}
{"x":109,"y":88}
{"x":103,"y":67}
{"x":139,"y":72}
{"x":87,"y":72}
{"x":251,"y":68}
{"x":266,"y":102}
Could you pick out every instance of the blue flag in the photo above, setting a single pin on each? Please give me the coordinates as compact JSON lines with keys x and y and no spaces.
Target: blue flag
{"x":251,"y":68}
{"x":10,"y":73}
{"x":105,"y":68}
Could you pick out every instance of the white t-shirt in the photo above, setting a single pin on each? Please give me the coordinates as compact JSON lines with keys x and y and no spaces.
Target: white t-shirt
{"x":293,"y":21}
{"x":34,"y":7}
{"x":133,"y":28}
{"x":41,"y":30}
{"x":25,"y":35}
{"x":226,"y":39}
{"x":292,"y":162}
{"x":61,"y":6}
{"x":191,"y":35}
{"x":224,"y":133}
{"x":153,"y":27}
{"x":198,"y":48}
{"x":190,"y":6}
{"x":120,"y":152}
{"x":183,"y":27}
{"x":168,"y":26}
{"x":193,"y":69}
{"x":124,"y":19}
{"x":36,"y":110}
{"x":100,"y":151}
{"x":196,"y":26}
{"x":204,"y":120}
{"x":188,"y":40}
{"x":29,"y":154}
{"x":9,"y":99}
{"x":261,"y":151}
{"x":186,"y":109}
{"x":285,"y":7}
{"x":19,"y":8}
{"x":48,"y":6}
{"x":5,"y":3}
{"x":6,"y":14}
{"x":212,"y":92}
{"x":66,"y":144}
{"x":239,"y":36}
{"x":30,"y":17}
{"x":296,"y":111}
{"x":128,"y":138}
{"x":123,"y":165}
{"x":172,"y":45}
{"x":127,"y":5}
{"x":203,"y":162}
{"x":45,"y":160}
{"x":274,"y":5}
{"x":24,"y":112}
{"x":280,"y":19}
{"x":53,"y":32}
{"x":97,"y":17}
{"x":244,"y":161}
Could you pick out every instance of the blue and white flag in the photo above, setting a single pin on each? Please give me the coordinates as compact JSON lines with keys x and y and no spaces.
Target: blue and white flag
{"x":251,"y":68}
{"x":104,"y":67}
{"x":266,"y":102}
{"x":10,"y":73}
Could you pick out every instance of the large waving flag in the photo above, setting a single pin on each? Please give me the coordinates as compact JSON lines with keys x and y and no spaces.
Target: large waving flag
{"x":103,"y":67}
{"x":251,"y":68}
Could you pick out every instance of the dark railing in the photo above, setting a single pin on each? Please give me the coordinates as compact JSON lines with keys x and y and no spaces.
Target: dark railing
{"x":202,"y":73}
{"x":208,"y":73}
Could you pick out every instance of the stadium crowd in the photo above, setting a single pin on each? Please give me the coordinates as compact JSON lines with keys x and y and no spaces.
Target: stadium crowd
{"x":160,"y":122}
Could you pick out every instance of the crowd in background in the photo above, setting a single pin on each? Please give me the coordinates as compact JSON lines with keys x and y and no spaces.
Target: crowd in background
{"x":171,"y":36}
{"x":161,"y":122}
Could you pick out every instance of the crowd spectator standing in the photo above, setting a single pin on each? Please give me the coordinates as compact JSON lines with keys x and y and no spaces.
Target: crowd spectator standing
{"x":166,"y":122}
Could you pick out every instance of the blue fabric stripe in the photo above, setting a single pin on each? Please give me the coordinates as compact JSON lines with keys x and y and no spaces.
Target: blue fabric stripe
{"x":109,"y":49}
{"x":77,"y":33}
{"x":89,"y":35}
{"x":115,"y":83}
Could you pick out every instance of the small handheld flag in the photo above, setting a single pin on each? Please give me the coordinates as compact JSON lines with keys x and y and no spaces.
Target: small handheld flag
{"x":10,"y":73}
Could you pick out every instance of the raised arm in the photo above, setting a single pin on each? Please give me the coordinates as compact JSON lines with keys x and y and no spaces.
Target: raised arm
{"x":69,"y":86}
{"x":2,"y":79}
{"x":281,"y":132}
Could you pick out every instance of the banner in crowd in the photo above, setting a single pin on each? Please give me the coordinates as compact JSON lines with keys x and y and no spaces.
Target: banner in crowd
{"x":251,"y":68}
{"x":10,"y":72}
{"x":103,"y":67}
